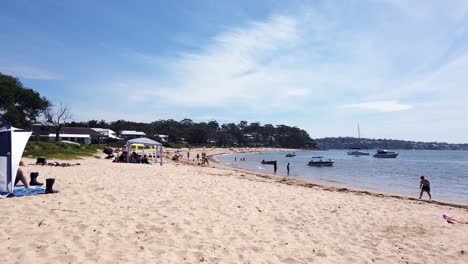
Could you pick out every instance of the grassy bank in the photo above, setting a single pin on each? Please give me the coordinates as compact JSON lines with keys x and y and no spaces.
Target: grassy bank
{"x":58,"y":150}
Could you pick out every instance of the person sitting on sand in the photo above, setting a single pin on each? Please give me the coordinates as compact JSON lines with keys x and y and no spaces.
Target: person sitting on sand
{"x":144,"y":160}
{"x":134,"y":158}
{"x":123,"y":157}
{"x":20,"y":177}
{"x":425,"y":186}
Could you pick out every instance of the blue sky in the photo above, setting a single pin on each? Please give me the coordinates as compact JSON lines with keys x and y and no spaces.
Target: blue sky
{"x":399,"y":68}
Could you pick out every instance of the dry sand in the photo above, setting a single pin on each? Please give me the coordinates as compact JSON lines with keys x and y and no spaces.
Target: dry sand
{"x":180,"y":213}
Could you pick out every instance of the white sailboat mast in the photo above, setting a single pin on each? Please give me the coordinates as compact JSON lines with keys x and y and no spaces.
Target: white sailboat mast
{"x":359,"y":131}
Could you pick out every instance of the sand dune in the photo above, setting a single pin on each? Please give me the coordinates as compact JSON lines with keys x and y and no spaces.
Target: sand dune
{"x":178,"y":213}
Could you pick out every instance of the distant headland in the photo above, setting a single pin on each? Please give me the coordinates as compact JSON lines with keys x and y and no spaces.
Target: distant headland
{"x":366,"y":143}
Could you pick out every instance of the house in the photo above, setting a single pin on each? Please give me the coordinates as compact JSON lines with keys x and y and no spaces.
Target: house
{"x":41,"y":130}
{"x":107,"y":134}
{"x":162,"y":138}
{"x":130,"y":134}
{"x":82,"y":135}
{"x":249,"y":137}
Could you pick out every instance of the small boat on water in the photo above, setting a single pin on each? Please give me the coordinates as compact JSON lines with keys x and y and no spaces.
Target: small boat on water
{"x":357,"y":152}
{"x":383,"y":153}
{"x":271,"y":162}
{"x":321,"y":162}
{"x":289,"y":155}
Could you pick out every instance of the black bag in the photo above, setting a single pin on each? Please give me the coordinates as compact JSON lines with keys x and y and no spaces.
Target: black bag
{"x":41,"y":161}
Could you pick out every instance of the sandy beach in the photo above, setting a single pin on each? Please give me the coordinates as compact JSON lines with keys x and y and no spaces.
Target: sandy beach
{"x":184,"y":213}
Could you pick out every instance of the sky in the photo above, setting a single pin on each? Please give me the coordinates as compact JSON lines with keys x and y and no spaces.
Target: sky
{"x":398,"y":68}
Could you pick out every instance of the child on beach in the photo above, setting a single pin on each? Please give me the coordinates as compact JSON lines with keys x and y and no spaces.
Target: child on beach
{"x":425,"y":186}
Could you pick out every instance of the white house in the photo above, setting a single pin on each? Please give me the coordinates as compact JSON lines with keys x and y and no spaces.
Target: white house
{"x":163,"y":138}
{"x":107,"y":133}
{"x":130,"y":134}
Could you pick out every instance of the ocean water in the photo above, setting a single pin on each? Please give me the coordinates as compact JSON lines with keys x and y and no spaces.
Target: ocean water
{"x":446,"y":170}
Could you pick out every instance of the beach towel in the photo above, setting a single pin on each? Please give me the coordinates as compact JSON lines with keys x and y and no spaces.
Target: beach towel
{"x":452,"y":220}
{"x":20,"y":191}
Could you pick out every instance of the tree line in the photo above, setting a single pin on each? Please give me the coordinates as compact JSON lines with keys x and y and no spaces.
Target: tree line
{"x":367,"y":143}
{"x":212,"y":133}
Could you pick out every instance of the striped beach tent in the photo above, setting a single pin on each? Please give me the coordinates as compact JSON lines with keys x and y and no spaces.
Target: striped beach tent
{"x":12,"y":143}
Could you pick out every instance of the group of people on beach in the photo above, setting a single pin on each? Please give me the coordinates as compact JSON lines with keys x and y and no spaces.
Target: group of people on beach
{"x":120,"y":156}
{"x":201,"y":160}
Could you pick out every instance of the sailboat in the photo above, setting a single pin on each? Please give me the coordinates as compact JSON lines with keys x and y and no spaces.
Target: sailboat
{"x":356,"y":151}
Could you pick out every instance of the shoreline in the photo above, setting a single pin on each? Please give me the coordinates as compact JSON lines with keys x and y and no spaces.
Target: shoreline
{"x":288,"y":180}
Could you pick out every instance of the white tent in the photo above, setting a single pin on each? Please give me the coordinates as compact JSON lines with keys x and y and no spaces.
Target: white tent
{"x":12,"y":143}
{"x":147,"y":143}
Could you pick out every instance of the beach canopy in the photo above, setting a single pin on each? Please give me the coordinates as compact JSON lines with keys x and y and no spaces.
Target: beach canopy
{"x":158,"y":147}
{"x":12,"y":143}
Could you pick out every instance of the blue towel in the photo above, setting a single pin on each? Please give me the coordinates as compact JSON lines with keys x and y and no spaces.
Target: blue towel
{"x":20,"y":191}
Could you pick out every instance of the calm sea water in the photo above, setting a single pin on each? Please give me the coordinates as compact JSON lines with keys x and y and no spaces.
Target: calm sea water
{"x":446,"y":170}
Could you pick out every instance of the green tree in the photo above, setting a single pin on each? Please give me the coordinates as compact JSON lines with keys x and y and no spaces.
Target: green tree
{"x":19,"y":106}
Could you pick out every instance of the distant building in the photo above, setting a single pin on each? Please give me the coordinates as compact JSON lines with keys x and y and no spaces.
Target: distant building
{"x":108,"y":135}
{"x":41,"y":130}
{"x":249,"y":137}
{"x":130,"y":134}
{"x":163,"y":138}
{"x":82,"y":135}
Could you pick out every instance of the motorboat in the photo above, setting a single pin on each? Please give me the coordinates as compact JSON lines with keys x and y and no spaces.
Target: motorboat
{"x":289,"y":155}
{"x":383,"y":153}
{"x":320,"y":162}
{"x":271,"y":162}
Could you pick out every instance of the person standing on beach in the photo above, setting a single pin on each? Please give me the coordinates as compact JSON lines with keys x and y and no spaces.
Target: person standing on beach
{"x":275,"y":167}
{"x":425,"y":186}
{"x":188,"y":155}
{"x":287,"y":168}
{"x":198,"y":156}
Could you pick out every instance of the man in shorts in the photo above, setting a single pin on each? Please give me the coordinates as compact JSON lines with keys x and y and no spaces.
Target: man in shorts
{"x":425,"y":186}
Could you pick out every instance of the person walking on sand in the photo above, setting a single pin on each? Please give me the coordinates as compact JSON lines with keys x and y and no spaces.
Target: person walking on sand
{"x":188,"y":155}
{"x":198,"y":156}
{"x":425,"y":186}
{"x":287,"y":168}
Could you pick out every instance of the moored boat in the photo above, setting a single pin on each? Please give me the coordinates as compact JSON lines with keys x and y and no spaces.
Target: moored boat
{"x":271,"y":162}
{"x":383,"y":153}
{"x":357,"y":152}
{"x":321,"y":162}
{"x":289,"y":155}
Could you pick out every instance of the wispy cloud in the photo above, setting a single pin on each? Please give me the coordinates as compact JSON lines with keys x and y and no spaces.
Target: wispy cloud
{"x":381,"y":106}
{"x":238,"y":68}
{"x":28,"y":72}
